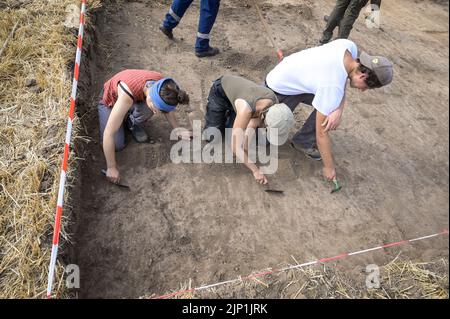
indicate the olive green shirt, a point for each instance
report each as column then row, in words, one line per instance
column 236, row 87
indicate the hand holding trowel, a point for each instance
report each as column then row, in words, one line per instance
column 118, row 184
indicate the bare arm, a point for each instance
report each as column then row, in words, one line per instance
column 324, row 145
column 251, row 130
column 243, row 117
column 120, row 109
column 333, row 120
column 171, row 118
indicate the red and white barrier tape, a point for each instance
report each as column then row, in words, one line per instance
column 62, row 180
column 58, row 215
column 319, row 261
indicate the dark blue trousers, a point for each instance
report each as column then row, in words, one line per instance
column 306, row 136
column 208, row 14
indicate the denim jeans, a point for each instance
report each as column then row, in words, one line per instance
column 137, row 115
column 208, row 13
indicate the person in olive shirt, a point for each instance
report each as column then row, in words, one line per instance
column 242, row 104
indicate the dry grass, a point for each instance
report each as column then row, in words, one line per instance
column 32, row 130
column 406, row 280
column 400, row 279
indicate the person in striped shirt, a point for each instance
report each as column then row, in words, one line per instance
column 129, row 99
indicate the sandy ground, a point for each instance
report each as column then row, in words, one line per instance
column 210, row 223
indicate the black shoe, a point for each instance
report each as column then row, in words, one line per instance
column 312, row 152
column 324, row 41
column 138, row 132
column 168, row 33
column 210, row 52
column 326, row 18
column 326, row 37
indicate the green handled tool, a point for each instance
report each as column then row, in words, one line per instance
column 336, row 186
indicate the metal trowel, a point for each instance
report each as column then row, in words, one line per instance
column 117, row 184
column 274, row 191
column 271, row 190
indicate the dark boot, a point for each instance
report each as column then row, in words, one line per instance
column 138, row 132
column 312, row 152
column 209, row 52
column 167, row 32
column 326, row 37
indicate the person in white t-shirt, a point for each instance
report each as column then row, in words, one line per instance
column 318, row 77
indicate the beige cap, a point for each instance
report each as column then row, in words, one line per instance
column 382, row 67
column 279, row 120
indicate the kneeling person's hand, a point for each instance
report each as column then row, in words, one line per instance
column 260, row 178
column 113, row 175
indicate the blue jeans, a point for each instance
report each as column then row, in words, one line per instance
column 138, row 114
column 208, row 13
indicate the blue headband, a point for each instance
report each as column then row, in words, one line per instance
column 157, row 100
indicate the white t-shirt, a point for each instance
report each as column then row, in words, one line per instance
column 319, row 71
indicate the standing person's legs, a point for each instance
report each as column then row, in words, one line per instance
column 290, row 100
column 350, row 16
column 208, row 13
column 306, row 136
column 173, row 17
column 103, row 116
column 334, row 19
column 305, row 139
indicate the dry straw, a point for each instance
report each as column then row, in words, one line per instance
column 399, row 279
column 35, row 84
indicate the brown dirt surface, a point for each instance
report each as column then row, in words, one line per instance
column 210, row 223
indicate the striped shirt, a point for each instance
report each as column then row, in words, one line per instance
column 134, row 79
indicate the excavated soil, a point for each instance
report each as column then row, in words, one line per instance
column 212, row 222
